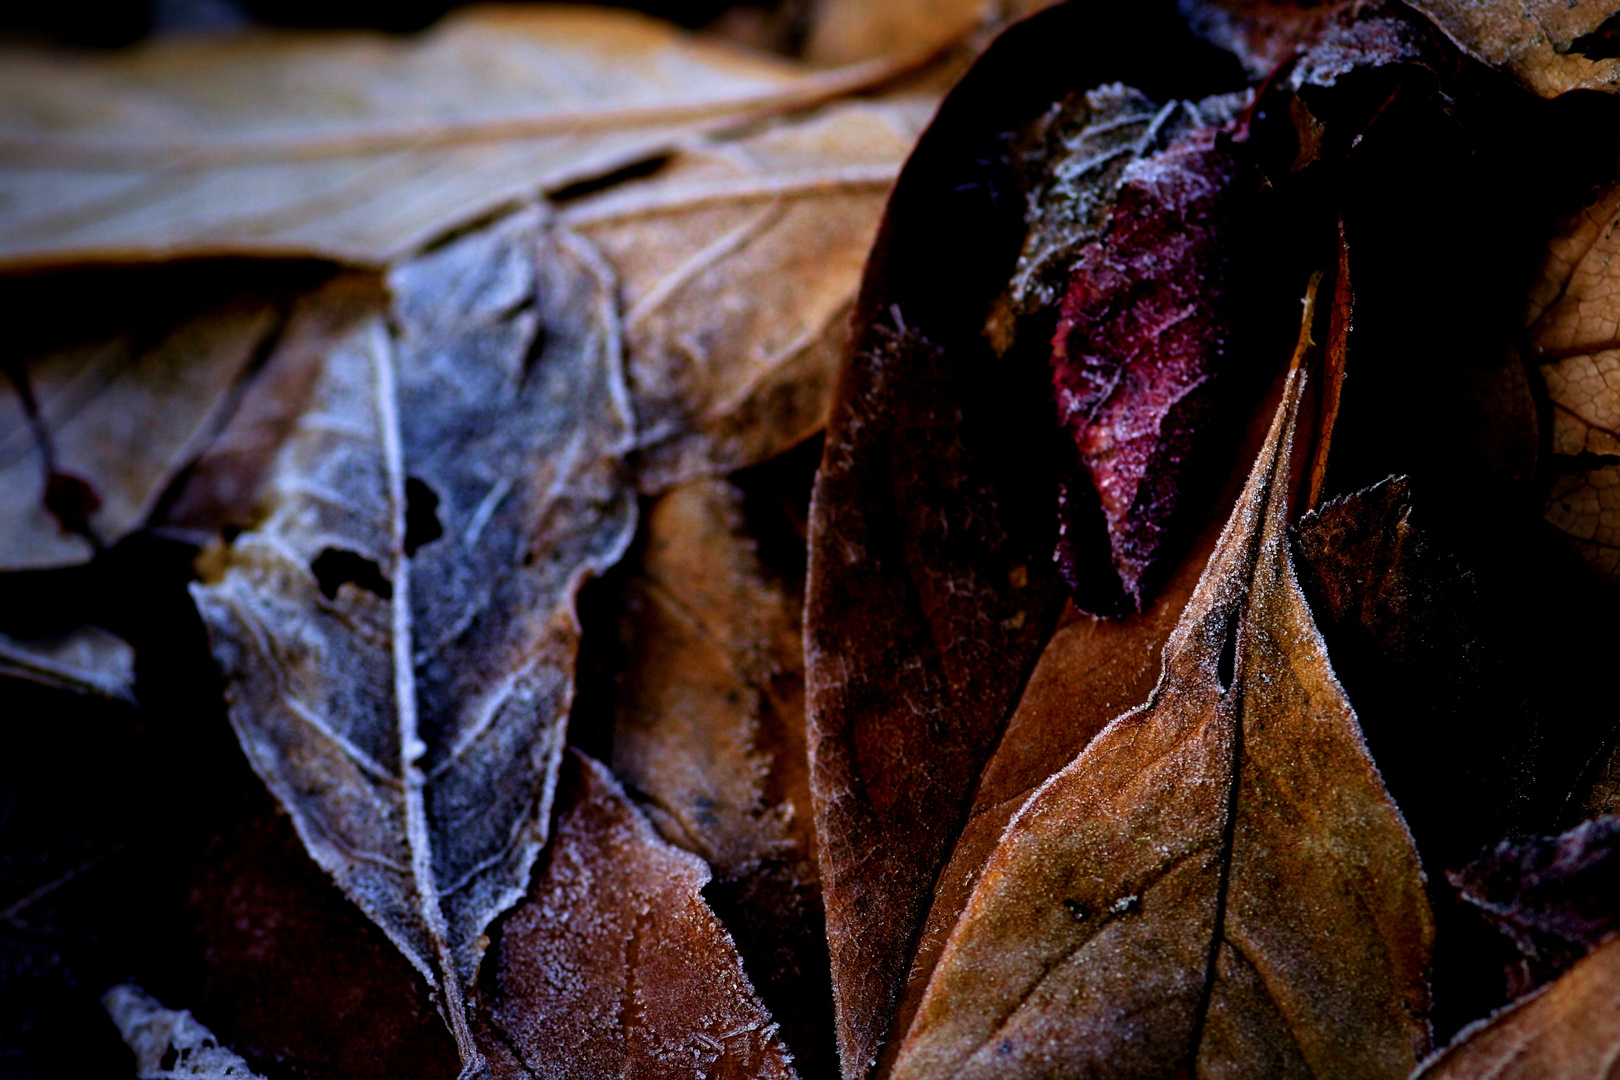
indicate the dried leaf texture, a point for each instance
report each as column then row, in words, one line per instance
column 355, row 147
column 170, row 1045
column 709, row 738
column 1219, row 884
column 1549, row 46
column 1574, row 331
column 1553, row 896
column 123, row 415
column 1569, row 1030
column 614, row 965
column 398, row 635
column 1140, row 337
column 738, row 265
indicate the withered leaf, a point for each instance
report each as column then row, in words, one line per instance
column 170, row 1045
column 1219, row 884
column 843, row 31
column 931, row 589
column 1142, row 335
column 1550, row 46
column 738, row 265
column 122, row 415
column 1568, row 1030
column 88, row 660
column 1555, row 896
column 398, row 635
column 354, row 146
column 614, row 965
column 708, row 737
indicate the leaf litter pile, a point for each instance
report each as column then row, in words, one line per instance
column 992, row 540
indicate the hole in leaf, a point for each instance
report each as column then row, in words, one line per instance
column 422, row 525
column 171, row 1057
column 1602, row 43
column 1226, row 668
column 71, row 501
column 334, row 566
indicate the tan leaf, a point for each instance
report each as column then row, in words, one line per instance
column 124, row 415
column 709, row 736
column 614, row 965
column 353, row 146
column 846, row 31
column 170, row 1045
column 399, row 635
column 1574, row 332
column 1549, row 46
column 738, row 265
column 1219, row 884
column 1568, row 1030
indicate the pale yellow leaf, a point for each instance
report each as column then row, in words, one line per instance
column 353, row 146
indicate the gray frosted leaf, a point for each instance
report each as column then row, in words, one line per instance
column 399, row 633
column 170, row 1044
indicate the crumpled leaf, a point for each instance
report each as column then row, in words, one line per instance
column 709, row 739
column 1219, row 884
column 1549, row 46
column 122, row 415
column 1554, row 896
column 170, row 1045
column 931, row 589
column 614, row 965
column 738, row 265
column 1568, row 1030
column 88, row 660
column 398, row 635
column 355, row 146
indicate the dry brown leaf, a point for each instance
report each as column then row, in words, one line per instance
column 170, row 1045
column 1568, row 1030
column 123, row 415
column 847, row 31
column 1549, row 46
column 1574, row 332
column 353, row 146
column 709, row 738
column 399, row 633
column 738, row 265
column 1219, row 884
column 614, row 965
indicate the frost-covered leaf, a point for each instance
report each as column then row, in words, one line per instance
column 738, row 265
column 88, row 660
column 614, row 965
column 1219, row 884
column 709, row 739
column 398, row 635
column 121, row 416
column 170, row 1044
column 1568, row 1030
column 354, row 146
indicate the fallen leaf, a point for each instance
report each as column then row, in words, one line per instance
column 738, row 265
column 1219, row 884
column 1553, row 896
column 170, row 1045
column 846, row 31
column 931, row 589
column 1141, row 341
column 709, row 739
column 398, row 636
column 123, row 415
column 88, row 660
column 614, row 965
column 1568, row 1030
column 1549, row 46
column 355, row 147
